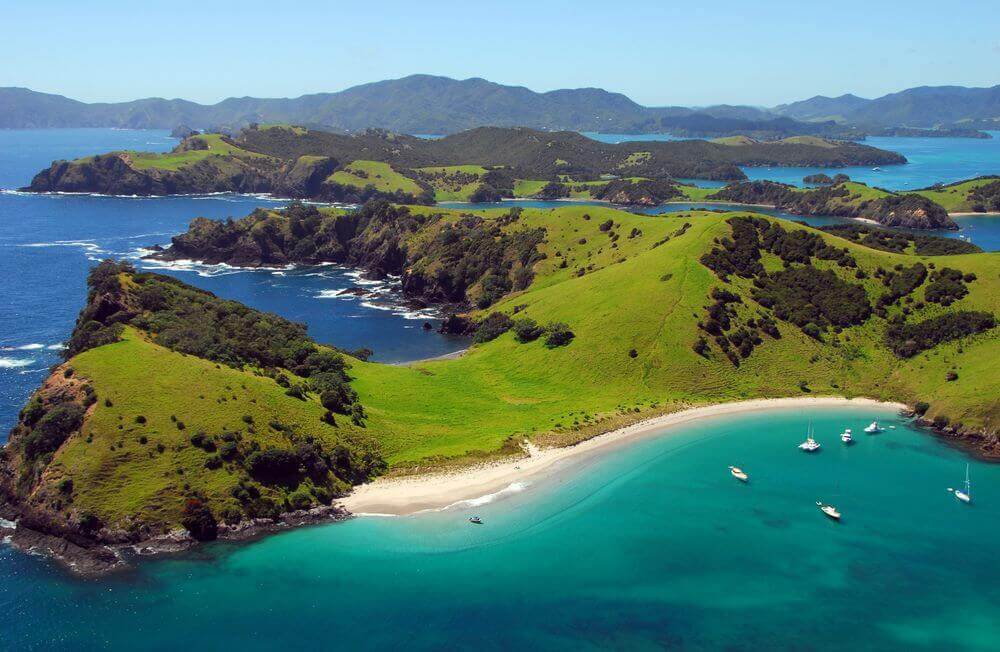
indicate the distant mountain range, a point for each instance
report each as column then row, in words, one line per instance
column 425, row 104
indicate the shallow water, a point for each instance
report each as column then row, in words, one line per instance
column 648, row 545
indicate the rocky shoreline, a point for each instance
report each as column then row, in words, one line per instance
column 101, row 558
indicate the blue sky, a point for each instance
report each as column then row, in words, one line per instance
column 658, row 53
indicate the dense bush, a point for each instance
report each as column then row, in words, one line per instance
column 806, row 295
column 275, row 466
column 199, row 521
column 527, row 330
column 52, row 429
column 907, row 340
column 558, row 334
column 947, row 286
column 493, row 326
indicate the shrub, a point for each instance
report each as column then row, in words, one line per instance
column 921, row 408
column 53, row 429
column 213, row 462
column 274, row 466
column 633, row 353
column 527, row 330
column 300, row 500
column 950, row 376
column 66, row 486
column 493, row 326
column 606, row 225
column 140, row 419
column 559, row 334
column 199, row 521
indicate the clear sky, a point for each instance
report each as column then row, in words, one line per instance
column 657, row 52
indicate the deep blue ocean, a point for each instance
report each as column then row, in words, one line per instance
column 649, row 546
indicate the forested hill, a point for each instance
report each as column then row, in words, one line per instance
column 426, row 104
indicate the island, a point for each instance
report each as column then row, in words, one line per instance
column 486, row 162
column 178, row 416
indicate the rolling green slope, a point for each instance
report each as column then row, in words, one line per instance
column 650, row 299
column 180, row 403
column 975, row 195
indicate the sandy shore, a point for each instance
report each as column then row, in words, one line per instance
column 408, row 495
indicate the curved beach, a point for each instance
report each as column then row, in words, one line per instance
column 401, row 496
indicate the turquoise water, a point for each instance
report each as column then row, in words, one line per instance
column 646, row 546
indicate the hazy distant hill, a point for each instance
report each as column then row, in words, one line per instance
column 926, row 106
column 439, row 105
column 821, row 107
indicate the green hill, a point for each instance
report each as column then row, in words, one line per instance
column 583, row 319
column 980, row 195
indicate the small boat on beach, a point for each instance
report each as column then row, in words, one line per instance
column 873, row 428
column 810, row 445
column 829, row 510
column 475, row 520
column 739, row 474
column 966, row 495
column 847, row 437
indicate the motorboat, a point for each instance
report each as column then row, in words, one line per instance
column 475, row 520
column 739, row 474
column 847, row 437
column 873, row 428
column 829, row 510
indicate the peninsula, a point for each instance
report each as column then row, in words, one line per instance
column 179, row 416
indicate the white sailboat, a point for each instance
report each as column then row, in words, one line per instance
column 873, row 428
column 739, row 474
column 964, row 496
column 847, row 437
column 810, row 445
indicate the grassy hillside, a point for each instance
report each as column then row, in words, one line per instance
column 361, row 174
column 631, row 315
column 975, row 195
column 650, row 299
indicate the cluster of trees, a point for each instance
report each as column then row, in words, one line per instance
column 813, row 299
column 907, row 340
column 643, row 191
column 907, row 210
column 947, row 286
column 899, row 241
column 525, row 330
column 900, row 282
column 825, row 179
column 986, row 198
column 741, row 253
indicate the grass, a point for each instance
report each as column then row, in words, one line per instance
column 173, row 161
column 143, row 379
column 650, row 299
column 448, row 185
column 382, row 176
column 955, row 197
column 734, row 140
column 644, row 290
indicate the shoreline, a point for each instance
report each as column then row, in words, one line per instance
column 405, row 496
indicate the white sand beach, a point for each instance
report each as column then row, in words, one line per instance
column 410, row 494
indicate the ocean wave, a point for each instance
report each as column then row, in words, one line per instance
column 23, row 347
column 86, row 245
column 512, row 488
column 15, row 363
